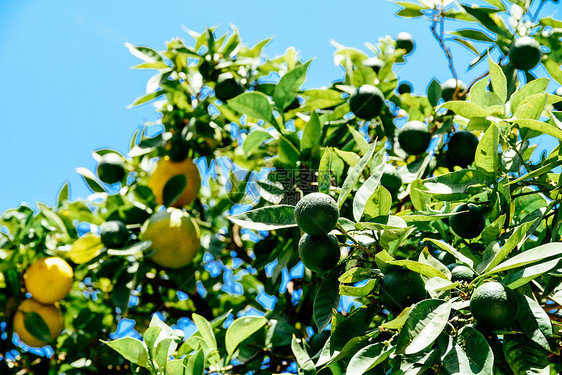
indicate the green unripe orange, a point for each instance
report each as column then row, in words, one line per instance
column 401, row 288
column 111, row 168
column 449, row 87
column 525, row 53
column 461, row 148
column 114, row 234
column 317, row 214
column 227, row 87
column 404, row 88
column 460, row 272
column 494, row 305
column 319, row 253
column 391, row 179
column 405, row 41
column 414, row 137
column 367, row 102
column 374, row 63
column 469, row 223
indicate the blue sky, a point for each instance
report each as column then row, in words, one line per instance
column 66, row 78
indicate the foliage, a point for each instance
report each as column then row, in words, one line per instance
column 244, row 298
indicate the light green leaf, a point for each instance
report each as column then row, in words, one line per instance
column 369, row 187
column 553, row 249
column 536, row 86
column 532, row 107
column 288, row 86
column 465, row 109
column 254, row 104
column 324, row 175
column 359, row 139
column 421, row 268
column 368, row 357
column 354, row 175
column 306, row 365
column 499, row 82
column 486, row 156
column 379, row 203
column 241, row 329
column 451, row 250
column 205, row 330
column 131, row 349
column 254, row 140
column 312, row 133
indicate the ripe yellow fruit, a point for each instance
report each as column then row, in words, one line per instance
column 48, row 279
column 165, row 169
column 174, row 235
column 50, row 314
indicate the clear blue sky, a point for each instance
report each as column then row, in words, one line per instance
column 66, row 80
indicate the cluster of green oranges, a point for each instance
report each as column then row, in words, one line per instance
column 317, row 214
column 47, row 280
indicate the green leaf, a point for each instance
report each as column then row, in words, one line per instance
column 486, row 17
column 241, row 329
column 145, row 53
column 266, row 218
column 536, row 86
column 164, row 350
column 288, row 153
column 63, row 194
column 399, row 321
column 174, row 189
column 516, row 240
column 91, row 180
column 532, row 107
column 434, row 92
column 354, row 175
column 359, row 139
column 553, row 249
column 451, row 250
column 379, row 203
column 369, row 187
column 478, row 93
column 472, row 34
column 327, row 297
column 131, row 349
column 196, row 363
column 455, row 185
column 553, row 68
column 205, row 330
column 150, row 336
column 524, row 356
column 358, row 291
column 535, row 322
column 312, row 133
column 254, row 140
column 425, row 323
column 306, row 365
column 421, row 268
column 499, row 82
column 409, row 13
column 470, row 354
column 254, row 104
column 35, row 325
column 465, row 109
column 486, row 156
column 288, row 86
column 324, row 176
column 146, row 98
column 368, row 357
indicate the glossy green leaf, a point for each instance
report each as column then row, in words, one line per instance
column 486, row 156
column 196, row 363
column 469, row 354
column 535, row 322
column 254, row 140
column 306, row 365
column 379, row 203
column 369, row 188
column 465, row 109
column 531, row 88
column 312, row 133
column 288, row 86
column 35, row 325
column 174, row 189
column 131, row 349
column 241, row 329
column 426, row 321
column 91, row 180
column 498, row 80
column 368, row 357
column 327, row 297
column 205, row 330
column 266, row 218
column 354, row 175
column 536, row 254
column 254, row 104
column 324, row 168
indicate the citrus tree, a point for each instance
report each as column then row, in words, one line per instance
column 258, row 228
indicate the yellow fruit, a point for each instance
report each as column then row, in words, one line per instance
column 48, row 279
column 50, row 314
column 174, row 236
column 165, row 169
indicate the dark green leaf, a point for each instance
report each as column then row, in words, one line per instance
column 254, row 140
column 35, row 325
column 288, row 86
column 91, row 180
column 312, row 133
column 174, row 189
column 470, row 354
column 535, row 322
column 327, row 297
